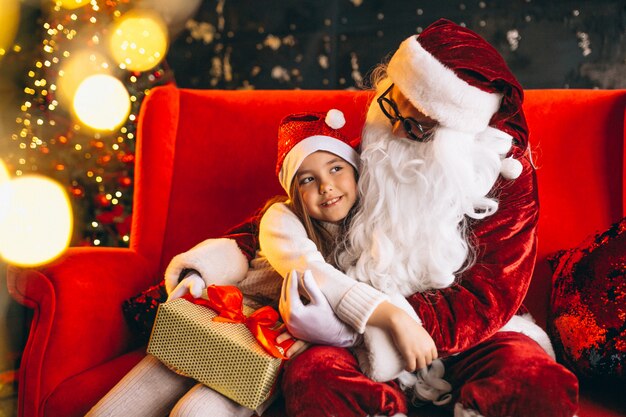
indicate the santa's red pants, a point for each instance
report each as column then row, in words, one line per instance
column 507, row 375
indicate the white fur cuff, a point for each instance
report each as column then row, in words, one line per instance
column 525, row 324
column 378, row 357
column 219, row 261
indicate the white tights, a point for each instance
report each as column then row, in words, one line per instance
column 151, row 389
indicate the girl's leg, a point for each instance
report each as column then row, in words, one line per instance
column 202, row 401
column 510, row 375
column 327, row 381
column 149, row 389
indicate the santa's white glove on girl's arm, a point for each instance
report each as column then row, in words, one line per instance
column 192, row 284
column 315, row 322
column 218, row 261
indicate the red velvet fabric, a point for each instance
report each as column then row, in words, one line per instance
column 326, row 381
column 205, row 161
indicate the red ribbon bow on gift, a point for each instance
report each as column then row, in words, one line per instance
column 227, row 301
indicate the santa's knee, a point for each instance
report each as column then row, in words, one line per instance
column 518, row 379
column 315, row 366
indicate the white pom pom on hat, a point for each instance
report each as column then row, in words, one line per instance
column 335, row 119
column 511, row 168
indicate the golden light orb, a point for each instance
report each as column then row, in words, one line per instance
column 139, row 40
column 102, row 102
column 72, row 4
column 78, row 66
column 9, row 20
column 37, row 226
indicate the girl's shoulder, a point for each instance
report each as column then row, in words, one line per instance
column 279, row 207
column 278, row 213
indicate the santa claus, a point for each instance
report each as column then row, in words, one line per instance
column 447, row 223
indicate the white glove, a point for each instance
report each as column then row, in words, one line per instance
column 315, row 322
column 192, row 284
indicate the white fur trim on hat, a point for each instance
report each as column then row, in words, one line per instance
column 219, row 261
column 438, row 92
column 306, row 147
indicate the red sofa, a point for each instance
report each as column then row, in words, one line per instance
column 205, row 160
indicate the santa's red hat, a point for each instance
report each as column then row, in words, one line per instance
column 301, row 134
column 454, row 76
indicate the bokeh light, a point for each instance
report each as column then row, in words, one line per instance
column 37, row 226
column 102, row 102
column 4, row 172
column 4, row 177
column 139, row 40
column 9, row 20
column 78, row 66
column 72, row 4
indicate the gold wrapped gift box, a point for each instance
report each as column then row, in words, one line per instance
column 223, row 356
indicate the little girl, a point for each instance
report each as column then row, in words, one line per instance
column 317, row 167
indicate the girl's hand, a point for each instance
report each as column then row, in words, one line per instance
column 413, row 342
column 298, row 347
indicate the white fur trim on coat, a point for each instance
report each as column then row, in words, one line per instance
column 525, row 324
column 219, row 261
column 378, row 356
column 459, row 411
column 438, row 92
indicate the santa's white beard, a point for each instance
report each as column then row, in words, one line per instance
column 409, row 232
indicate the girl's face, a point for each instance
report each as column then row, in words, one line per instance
column 327, row 186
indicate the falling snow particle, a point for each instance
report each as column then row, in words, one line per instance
column 289, row 40
column 356, row 74
column 323, row 61
column 513, row 37
column 584, row 42
column 201, row 31
column 273, row 42
column 281, row 74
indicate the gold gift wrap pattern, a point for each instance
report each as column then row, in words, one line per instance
column 223, row 356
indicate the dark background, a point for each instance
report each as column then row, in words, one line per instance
column 332, row 44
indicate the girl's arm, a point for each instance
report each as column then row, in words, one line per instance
column 286, row 246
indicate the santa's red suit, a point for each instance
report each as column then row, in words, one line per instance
column 492, row 359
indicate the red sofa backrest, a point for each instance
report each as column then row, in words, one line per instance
column 577, row 138
column 206, row 160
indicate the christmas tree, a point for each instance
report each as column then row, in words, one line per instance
column 72, row 127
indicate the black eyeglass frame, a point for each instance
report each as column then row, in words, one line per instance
column 408, row 123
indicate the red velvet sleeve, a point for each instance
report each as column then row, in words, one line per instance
column 246, row 234
column 488, row 294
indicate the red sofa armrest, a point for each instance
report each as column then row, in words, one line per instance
column 77, row 318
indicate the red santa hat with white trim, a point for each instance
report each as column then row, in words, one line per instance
column 454, row 76
column 301, row 134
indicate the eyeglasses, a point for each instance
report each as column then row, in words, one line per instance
column 411, row 126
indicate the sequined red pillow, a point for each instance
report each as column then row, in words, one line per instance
column 140, row 310
column 588, row 305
